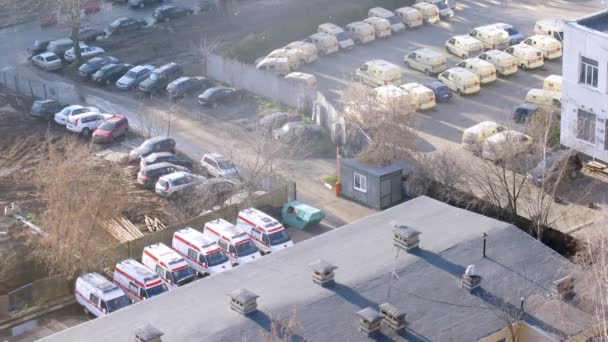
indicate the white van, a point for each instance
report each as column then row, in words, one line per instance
column 528, row 57
column 138, row 281
column 422, row 97
column 344, row 40
column 202, row 253
column 464, row 46
column 98, row 295
column 268, row 234
column 389, row 96
column 445, row 12
column 396, row 24
column 168, row 264
column 410, row 16
column 279, row 65
column 460, row 80
column 506, row 144
column 361, row 32
column 481, row 68
column 60, row 46
column 426, row 60
column 548, row 99
column 302, row 78
column 236, row 243
column 553, row 83
column 474, row 137
column 504, row 63
column 382, row 27
column 307, row 52
column 292, row 56
column 550, row 27
column 377, row 73
column 430, row 12
column 326, row 43
column 492, row 37
column 550, row 47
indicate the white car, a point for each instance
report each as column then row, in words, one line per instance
column 86, row 52
column 169, row 185
column 86, row 123
column 61, row 118
column 47, row 61
column 218, row 166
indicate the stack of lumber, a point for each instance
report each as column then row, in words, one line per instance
column 123, row 230
column 597, row 168
column 153, row 224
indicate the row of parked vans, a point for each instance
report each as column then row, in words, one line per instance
column 218, row 248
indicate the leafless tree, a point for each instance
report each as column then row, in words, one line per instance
column 205, row 48
column 444, row 170
column 282, row 330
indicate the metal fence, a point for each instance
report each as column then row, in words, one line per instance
column 37, row 293
column 14, row 84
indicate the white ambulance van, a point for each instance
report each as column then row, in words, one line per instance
column 550, row 27
column 168, row 264
column 491, row 36
column 460, row 80
column 382, row 27
column 326, row 43
column 236, row 243
column 527, row 56
column 550, row 47
column 422, row 97
column 98, row 295
column 361, row 32
column 396, row 24
column 377, row 73
column 504, row 63
column 138, row 281
column 553, row 83
column 411, row 17
column 430, row 12
column 485, row 70
column 267, row 233
column 201, row 252
column 464, row 46
column 344, row 41
column 307, row 52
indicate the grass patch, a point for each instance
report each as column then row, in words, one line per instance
column 331, row 180
column 267, row 106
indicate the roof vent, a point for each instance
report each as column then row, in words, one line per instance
column 148, row 334
column 406, row 238
column 369, row 321
column 470, row 279
column 564, row 288
column 243, row 301
column 392, row 317
column 323, row 272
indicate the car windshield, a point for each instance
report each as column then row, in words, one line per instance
column 442, row 90
column 441, row 5
column 51, row 58
column 37, row 106
column 245, row 248
column 182, row 276
column 156, row 290
column 163, row 183
column 342, row 36
column 115, row 23
column 117, row 303
column 279, row 237
column 393, row 20
column 131, row 74
column 154, row 76
column 225, row 164
column 108, row 126
column 512, row 31
column 216, row 258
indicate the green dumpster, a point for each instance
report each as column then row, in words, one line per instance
column 299, row 215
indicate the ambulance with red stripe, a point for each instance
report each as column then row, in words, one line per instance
column 98, row 295
column 267, row 233
column 201, row 252
column 168, row 264
column 138, row 281
column 237, row 244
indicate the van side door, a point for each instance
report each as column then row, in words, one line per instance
column 134, row 290
column 95, row 301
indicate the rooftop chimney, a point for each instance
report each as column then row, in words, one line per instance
column 370, row 321
column 323, row 272
column 564, row 288
column 148, row 334
column 470, row 279
column 392, row 317
column 243, row 301
column 406, row 238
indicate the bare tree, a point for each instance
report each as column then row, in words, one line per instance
column 282, row 330
column 444, row 171
column 205, row 48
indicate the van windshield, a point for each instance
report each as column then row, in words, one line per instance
column 394, row 20
column 246, row 248
column 279, row 237
column 117, row 303
column 441, row 5
column 183, row 276
column 155, row 291
column 214, row 259
column 342, row 36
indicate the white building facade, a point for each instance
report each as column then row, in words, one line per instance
column 584, row 121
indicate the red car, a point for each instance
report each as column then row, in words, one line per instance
column 48, row 20
column 111, row 129
column 92, row 7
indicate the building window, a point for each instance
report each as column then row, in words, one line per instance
column 360, row 182
column 585, row 126
column 588, row 72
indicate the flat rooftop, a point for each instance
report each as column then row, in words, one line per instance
column 597, row 21
column 428, row 288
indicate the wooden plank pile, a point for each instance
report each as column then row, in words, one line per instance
column 153, row 224
column 123, row 230
column 597, row 168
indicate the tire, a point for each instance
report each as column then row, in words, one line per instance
column 523, row 67
column 464, row 56
column 86, row 311
column 407, row 64
column 108, row 82
column 458, row 92
column 86, row 132
column 447, row 48
column 427, row 72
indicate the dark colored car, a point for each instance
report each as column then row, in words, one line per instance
column 442, row 92
column 168, row 12
column 187, row 85
column 524, row 112
column 165, row 157
column 557, row 166
column 88, row 35
column 152, row 145
column 149, row 175
column 161, row 77
column 114, row 127
column 109, row 74
column 46, row 109
column 141, row 3
column 94, row 64
column 38, row 47
column 126, row 24
column 213, row 97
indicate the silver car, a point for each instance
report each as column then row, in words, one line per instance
column 47, row 61
column 169, row 185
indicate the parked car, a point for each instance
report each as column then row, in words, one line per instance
column 45, row 109
column 141, row 3
column 160, row 78
column 505, row 145
column 62, row 117
column 38, row 47
column 187, row 85
column 152, row 145
column 168, row 12
column 296, row 131
column 88, row 35
column 114, row 127
column 276, row 120
column 219, row 188
column 165, row 157
column 47, row 61
column 173, row 183
column 149, row 175
column 126, row 24
column 59, row 46
column 86, row 52
column 92, row 7
column 218, row 166
column 110, row 73
column 515, row 37
column 134, row 76
column 86, row 123
column 94, row 64
column 216, row 96
column 524, row 112
column 442, row 92
column 556, row 166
